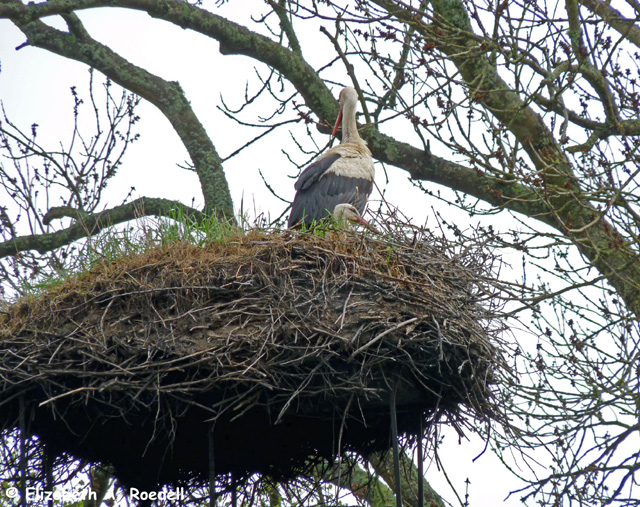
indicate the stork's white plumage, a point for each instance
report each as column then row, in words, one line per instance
column 342, row 175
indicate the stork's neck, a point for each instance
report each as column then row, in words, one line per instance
column 349, row 125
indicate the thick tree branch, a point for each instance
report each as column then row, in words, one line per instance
column 237, row 39
column 363, row 486
column 91, row 224
column 593, row 75
column 382, row 463
column 167, row 96
column 424, row 166
column 63, row 212
column 612, row 17
column 233, row 38
column 567, row 206
column 282, row 12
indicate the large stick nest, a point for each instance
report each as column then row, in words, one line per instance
column 286, row 344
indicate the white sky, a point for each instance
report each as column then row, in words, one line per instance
column 34, row 88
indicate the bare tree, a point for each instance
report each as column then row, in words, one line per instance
column 533, row 108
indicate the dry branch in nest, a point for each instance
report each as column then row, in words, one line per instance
column 287, row 343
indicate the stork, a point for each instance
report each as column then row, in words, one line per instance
column 347, row 214
column 342, row 175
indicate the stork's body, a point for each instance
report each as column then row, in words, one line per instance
column 342, row 175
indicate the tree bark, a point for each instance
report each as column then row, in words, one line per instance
column 90, row 224
column 382, row 463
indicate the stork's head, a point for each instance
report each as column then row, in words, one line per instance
column 346, row 214
column 348, row 103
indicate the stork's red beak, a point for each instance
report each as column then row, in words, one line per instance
column 337, row 125
column 365, row 224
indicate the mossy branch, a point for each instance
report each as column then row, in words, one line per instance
column 614, row 18
column 167, row 96
column 91, row 224
column 382, row 463
column 567, row 208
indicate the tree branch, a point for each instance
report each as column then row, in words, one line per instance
column 285, row 23
column 625, row 27
column 167, row 96
column 567, row 207
column 382, row 463
column 424, row 166
column 233, row 38
column 351, row 476
column 91, row 224
column 593, row 75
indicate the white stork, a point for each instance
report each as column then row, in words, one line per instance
column 342, row 175
column 345, row 214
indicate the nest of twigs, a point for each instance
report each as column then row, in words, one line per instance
column 284, row 345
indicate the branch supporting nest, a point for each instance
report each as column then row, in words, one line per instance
column 284, row 343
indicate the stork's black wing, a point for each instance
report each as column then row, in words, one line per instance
column 315, row 201
column 314, row 171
